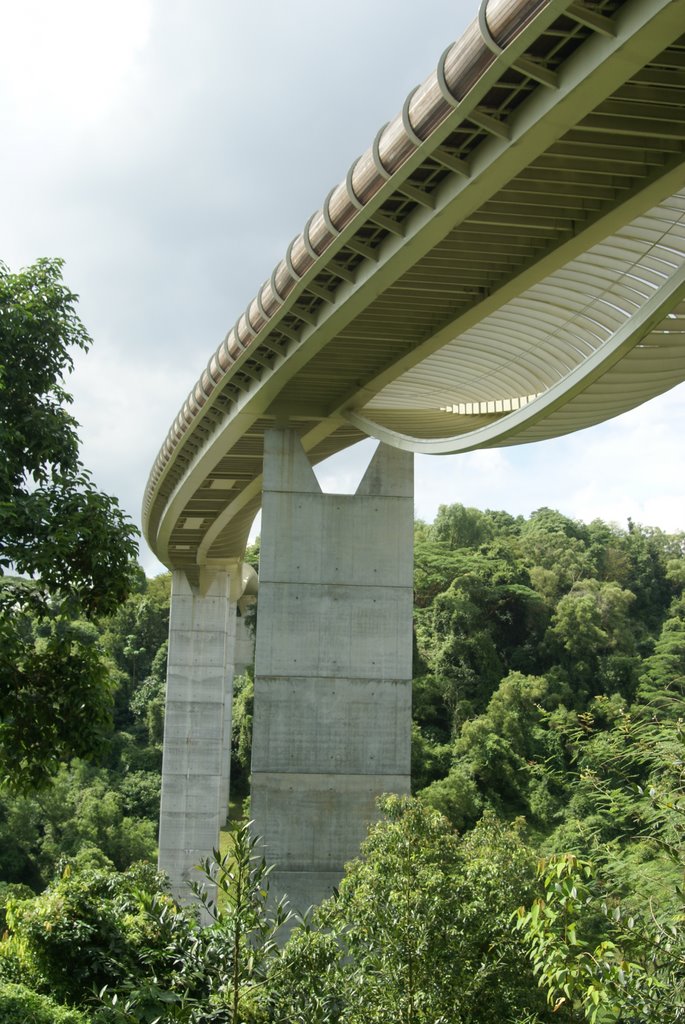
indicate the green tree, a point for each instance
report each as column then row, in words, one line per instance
column 245, row 924
column 556, row 551
column 606, row 934
column 421, row 920
column 602, row 978
column 54, row 524
column 498, row 756
column 87, row 929
column 488, row 621
column 88, row 815
column 191, row 974
column 649, row 552
column 457, row 526
column 134, row 635
column 20, row 1005
column 241, row 745
column 663, row 675
column 593, row 638
column 72, row 545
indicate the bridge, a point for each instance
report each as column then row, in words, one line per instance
column 505, row 263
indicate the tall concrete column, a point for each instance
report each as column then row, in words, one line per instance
column 332, row 709
column 197, row 727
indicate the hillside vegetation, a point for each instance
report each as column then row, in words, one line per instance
column 534, row 876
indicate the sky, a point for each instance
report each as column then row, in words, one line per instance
column 169, row 150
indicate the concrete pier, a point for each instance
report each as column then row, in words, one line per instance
column 332, row 710
column 197, row 728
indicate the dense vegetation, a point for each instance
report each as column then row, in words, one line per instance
column 66, row 549
column 534, row 876
column 549, row 676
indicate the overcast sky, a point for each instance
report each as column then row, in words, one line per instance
column 170, row 150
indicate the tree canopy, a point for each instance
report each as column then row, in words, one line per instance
column 66, row 549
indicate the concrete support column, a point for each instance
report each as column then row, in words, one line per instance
column 332, row 709
column 197, row 728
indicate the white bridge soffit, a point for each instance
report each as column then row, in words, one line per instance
column 506, row 263
column 598, row 337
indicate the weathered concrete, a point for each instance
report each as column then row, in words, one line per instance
column 197, row 726
column 332, row 711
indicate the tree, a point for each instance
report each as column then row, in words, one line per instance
column 470, row 632
column 71, row 546
column 606, row 934
column 460, row 527
column 594, row 636
column 245, row 925
column 600, row 978
column 664, row 671
column 87, row 929
column 191, row 974
column 498, row 757
column 556, row 550
column 87, row 816
column 241, row 738
column 422, row 927
column 18, row 1003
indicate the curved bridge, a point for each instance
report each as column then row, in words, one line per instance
column 505, row 263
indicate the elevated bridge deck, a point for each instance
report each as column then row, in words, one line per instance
column 505, row 263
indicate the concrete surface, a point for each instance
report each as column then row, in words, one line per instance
column 197, row 728
column 332, row 712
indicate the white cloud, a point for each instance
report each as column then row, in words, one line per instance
column 66, row 62
column 119, row 408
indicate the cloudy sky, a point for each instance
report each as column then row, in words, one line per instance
column 169, row 150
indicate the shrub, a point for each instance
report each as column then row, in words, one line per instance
column 19, row 1005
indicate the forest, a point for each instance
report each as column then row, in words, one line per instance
column 535, row 874
column 547, row 776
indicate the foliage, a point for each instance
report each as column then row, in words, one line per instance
column 485, row 621
column 497, row 756
column 593, row 633
column 246, row 923
column 54, row 524
column 419, row 931
column 241, row 737
column 84, row 930
column 307, row 983
column 11, row 891
column 134, row 636
column 663, row 672
column 72, row 545
column 607, row 937
column 87, row 817
column 628, row 802
column 211, row 973
column 20, row 1005
column 56, row 694
column 598, row 979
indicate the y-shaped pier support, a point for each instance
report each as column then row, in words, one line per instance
column 332, row 709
